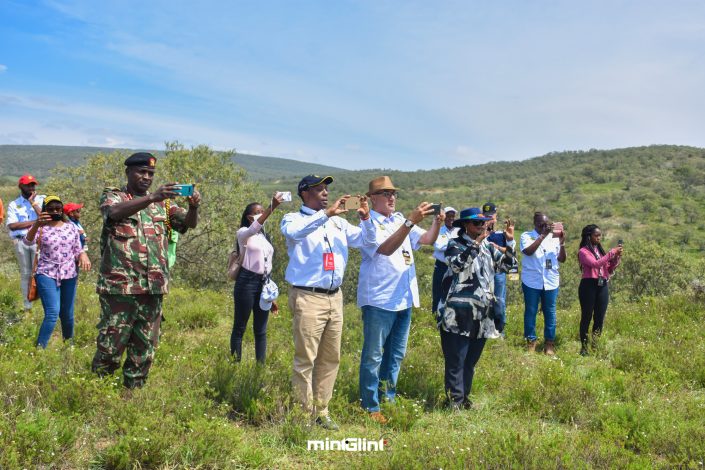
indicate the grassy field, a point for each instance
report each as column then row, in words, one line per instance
column 638, row 402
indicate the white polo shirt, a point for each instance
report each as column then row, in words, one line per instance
column 310, row 234
column 389, row 282
column 533, row 268
column 441, row 243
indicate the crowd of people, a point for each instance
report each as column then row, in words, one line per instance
column 473, row 254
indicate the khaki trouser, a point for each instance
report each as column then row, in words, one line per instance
column 318, row 329
column 25, row 258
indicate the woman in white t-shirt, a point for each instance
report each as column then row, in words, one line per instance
column 256, row 265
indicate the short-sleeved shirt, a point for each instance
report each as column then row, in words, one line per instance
column 445, row 234
column 389, row 282
column 21, row 210
column 58, row 251
column 134, row 249
column 535, row 272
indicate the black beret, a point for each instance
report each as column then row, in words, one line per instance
column 141, row 159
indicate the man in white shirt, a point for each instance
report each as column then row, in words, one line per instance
column 439, row 248
column 543, row 250
column 387, row 289
column 21, row 214
column 317, row 243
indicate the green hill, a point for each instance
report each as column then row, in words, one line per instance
column 39, row 160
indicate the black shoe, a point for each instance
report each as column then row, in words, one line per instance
column 326, row 422
column 455, row 405
column 467, row 404
column 584, row 350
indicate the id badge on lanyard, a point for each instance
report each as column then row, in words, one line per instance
column 328, row 262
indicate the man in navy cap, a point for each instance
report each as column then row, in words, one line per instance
column 134, row 273
column 317, row 242
column 501, row 239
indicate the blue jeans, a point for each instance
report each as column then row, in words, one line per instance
column 384, row 345
column 58, row 303
column 531, row 308
column 500, row 292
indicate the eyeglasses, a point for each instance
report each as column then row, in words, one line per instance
column 387, row 194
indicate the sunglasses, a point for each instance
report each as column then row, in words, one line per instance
column 477, row 223
column 387, row 194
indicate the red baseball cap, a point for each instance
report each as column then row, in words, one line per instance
column 71, row 206
column 27, row 179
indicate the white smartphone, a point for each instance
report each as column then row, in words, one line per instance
column 286, row 196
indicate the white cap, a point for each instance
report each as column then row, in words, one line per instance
column 270, row 292
column 450, row 209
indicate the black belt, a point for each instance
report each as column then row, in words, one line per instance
column 319, row 290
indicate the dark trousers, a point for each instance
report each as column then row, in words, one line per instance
column 438, row 271
column 248, row 288
column 461, row 354
column 593, row 306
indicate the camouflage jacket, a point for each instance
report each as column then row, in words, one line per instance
column 134, row 249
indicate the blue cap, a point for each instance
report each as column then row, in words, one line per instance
column 470, row 213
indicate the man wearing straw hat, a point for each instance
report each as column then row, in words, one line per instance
column 387, row 290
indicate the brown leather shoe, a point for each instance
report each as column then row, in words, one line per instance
column 549, row 348
column 531, row 346
column 379, row 417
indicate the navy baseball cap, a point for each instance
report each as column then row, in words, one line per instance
column 489, row 208
column 308, row 182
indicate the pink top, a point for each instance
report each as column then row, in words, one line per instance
column 258, row 251
column 59, row 248
column 593, row 268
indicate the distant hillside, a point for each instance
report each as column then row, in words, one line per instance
column 654, row 193
column 16, row 160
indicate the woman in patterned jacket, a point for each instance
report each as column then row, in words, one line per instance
column 466, row 313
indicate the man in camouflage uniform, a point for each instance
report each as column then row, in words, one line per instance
column 134, row 274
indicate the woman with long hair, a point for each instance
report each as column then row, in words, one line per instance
column 60, row 254
column 258, row 251
column 597, row 267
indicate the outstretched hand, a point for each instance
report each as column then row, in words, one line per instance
column 338, row 207
column 421, row 211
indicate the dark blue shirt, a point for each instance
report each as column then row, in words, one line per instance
column 498, row 238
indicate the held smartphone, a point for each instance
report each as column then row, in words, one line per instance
column 352, row 203
column 56, row 217
column 286, row 196
column 620, row 242
column 436, row 208
column 557, row 228
column 184, row 189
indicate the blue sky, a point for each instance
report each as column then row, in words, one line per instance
column 355, row 84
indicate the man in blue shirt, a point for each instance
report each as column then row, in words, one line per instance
column 439, row 248
column 500, row 239
column 317, row 242
column 21, row 214
column 387, row 290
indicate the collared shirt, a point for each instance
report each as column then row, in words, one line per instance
column 534, row 270
column 21, row 210
column 499, row 238
column 310, row 235
column 389, row 282
column 441, row 243
column 134, row 249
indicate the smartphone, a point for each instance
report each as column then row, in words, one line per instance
column 184, row 189
column 436, row 208
column 56, row 216
column 352, row 203
column 286, row 196
column 620, row 242
column 557, row 228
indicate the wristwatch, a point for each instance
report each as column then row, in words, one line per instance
column 408, row 223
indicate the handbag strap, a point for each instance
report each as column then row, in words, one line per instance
column 36, row 256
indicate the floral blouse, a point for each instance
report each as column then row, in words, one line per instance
column 59, row 249
column 469, row 281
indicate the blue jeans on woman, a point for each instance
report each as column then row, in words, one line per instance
column 531, row 307
column 246, row 293
column 384, row 346
column 57, row 301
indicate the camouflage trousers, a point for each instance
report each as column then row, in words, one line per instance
column 132, row 322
